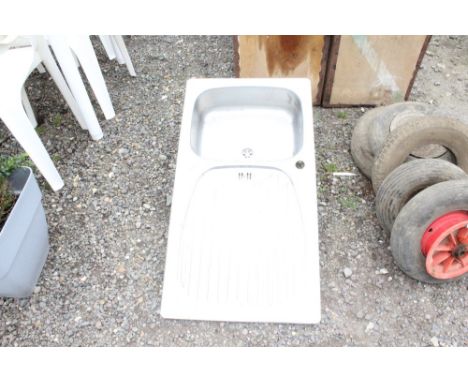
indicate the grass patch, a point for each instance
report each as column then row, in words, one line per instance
column 56, row 157
column 40, row 130
column 7, row 198
column 329, row 167
column 57, row 121
column 351, row 202
column 321, row 190
column 11, row 163
column 342, row 114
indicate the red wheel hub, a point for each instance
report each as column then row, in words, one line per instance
column 445, row 246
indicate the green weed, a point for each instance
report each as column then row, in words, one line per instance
column 329, row 167
column 57, row 121
column 342, row 114
column 351, row 202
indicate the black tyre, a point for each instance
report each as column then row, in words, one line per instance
column 373, row 128
column 387, row 117
column 424, row 152
column 406, row 181
column 360, row 149
column 418, row 132
column 414, row 219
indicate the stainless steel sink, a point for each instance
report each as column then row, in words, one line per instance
column 243, row 235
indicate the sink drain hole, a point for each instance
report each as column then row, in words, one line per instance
column 247, row 152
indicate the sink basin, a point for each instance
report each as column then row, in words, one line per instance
column 235, row 122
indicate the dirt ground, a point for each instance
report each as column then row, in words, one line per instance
column 102, row 282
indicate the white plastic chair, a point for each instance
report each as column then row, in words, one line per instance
column 63, row 48
column 27, row 107
column 84, row 51
column 108, row 46
column 15, row 67
column 115, row 49
column 17, row 64
column 83, row 55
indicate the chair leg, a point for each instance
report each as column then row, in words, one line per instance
column 77, row 62
column 108, row 47
column 40, row 68
column 27, row 108
column 123, row 49
column 82, row 47
column 118, row 53
column 73, row 78
column 18, row 123
column 54, row 71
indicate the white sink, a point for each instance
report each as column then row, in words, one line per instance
column 243, row 235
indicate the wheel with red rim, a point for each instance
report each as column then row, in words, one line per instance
column 445, row 246
column 429, row 238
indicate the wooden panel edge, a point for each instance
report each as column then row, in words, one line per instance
column 417, row 66
column 332, row 59
column 235, row 40
column 323, row 70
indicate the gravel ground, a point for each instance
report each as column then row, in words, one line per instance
column 102, row 281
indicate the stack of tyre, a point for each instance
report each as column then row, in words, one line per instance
column 417, row 160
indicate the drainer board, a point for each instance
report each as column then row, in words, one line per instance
column 243, row 236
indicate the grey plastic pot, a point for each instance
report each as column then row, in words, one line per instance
column 24, row 238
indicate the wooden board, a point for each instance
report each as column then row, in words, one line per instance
column 283, row 56
column 372, row 70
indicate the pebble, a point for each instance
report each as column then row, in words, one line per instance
column 76, row 180
column 162, row 157
column 347, row 272
column 168, row 200
column 369, row 327
column 435, row 341
column 120, row 268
